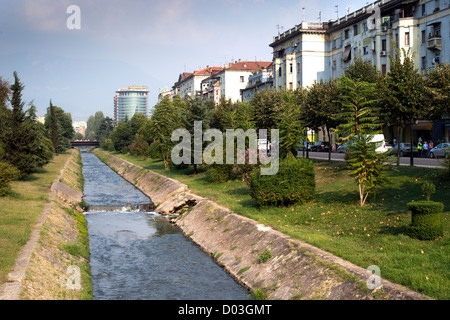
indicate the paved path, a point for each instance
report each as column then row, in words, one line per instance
column 404, row 161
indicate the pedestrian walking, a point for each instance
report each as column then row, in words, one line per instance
column 425, row 150
column 419, row 147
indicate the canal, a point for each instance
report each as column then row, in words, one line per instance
column 139, row 255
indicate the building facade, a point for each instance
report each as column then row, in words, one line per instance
column 233, row 78
column 263, row 80
column 322, row 51
column 130, row 101
column 190, row 84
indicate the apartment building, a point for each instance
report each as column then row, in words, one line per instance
column 229, row 82
column 319, row 51
column 190, row 84
column 263, row 80
column 312, row 52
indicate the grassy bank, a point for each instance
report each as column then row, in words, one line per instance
column 63, row 237
column 21, row 208
column 333, row 220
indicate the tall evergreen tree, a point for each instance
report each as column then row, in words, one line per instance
column 20, row 145
column 54, row 136
column 65, row 128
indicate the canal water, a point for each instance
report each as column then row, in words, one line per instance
column 140, row 255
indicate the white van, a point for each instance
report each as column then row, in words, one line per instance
column 380, row 145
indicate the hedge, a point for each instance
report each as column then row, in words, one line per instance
column 426, row 220
column 294, row 183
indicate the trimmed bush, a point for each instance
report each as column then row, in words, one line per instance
column 8, row 173
column 426, row 220
column 294, row 183
column 220, row 172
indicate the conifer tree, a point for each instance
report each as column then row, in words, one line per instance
column 20, row 144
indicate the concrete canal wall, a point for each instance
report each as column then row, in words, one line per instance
column 295, row 270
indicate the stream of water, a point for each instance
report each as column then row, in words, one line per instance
column 140, row 255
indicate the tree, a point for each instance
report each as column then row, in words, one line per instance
column 357, row 114
column 197, row 111
column 266, row 104
column 402, row 92
column 358, row 123
column 319, row 108
column 437, row 88
column 361, row 70
column 106, row 126
column 288, row 120
column 54, row 135
column 122, row 136
column 368, row 166
column 59, row 123
column 20, row 142
column 164, row 120
column 5, row 93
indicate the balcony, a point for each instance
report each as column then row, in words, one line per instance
column 434, row 43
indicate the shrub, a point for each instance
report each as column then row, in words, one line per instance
column 426, row 220
column 8, row 173
column 266, row 255
column 446, row 164
column 428, row 188
column 294, row 183
column 220, row 172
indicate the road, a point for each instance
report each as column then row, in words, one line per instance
column 404, row 161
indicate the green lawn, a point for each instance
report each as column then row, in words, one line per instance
column 334, row 221
column 20, row 209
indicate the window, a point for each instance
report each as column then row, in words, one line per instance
column 346, row 34
column 383, row 69
column 242, row 79
column 424, row 63
column 383, row 45
column 347, row 56
column 423, row 9
column 279, row 72
column 366, row 50
column 290, row 68
column 406, row 38
column 365, row 26
column 423, row 36
column 355, row 29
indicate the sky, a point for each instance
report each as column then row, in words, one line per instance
column 120, row 43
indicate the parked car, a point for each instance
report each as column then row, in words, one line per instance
column 441, row 150
column 305, row 146
column 321, row 146
column 342, row 148
column 380, row 144
column 405, row 149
